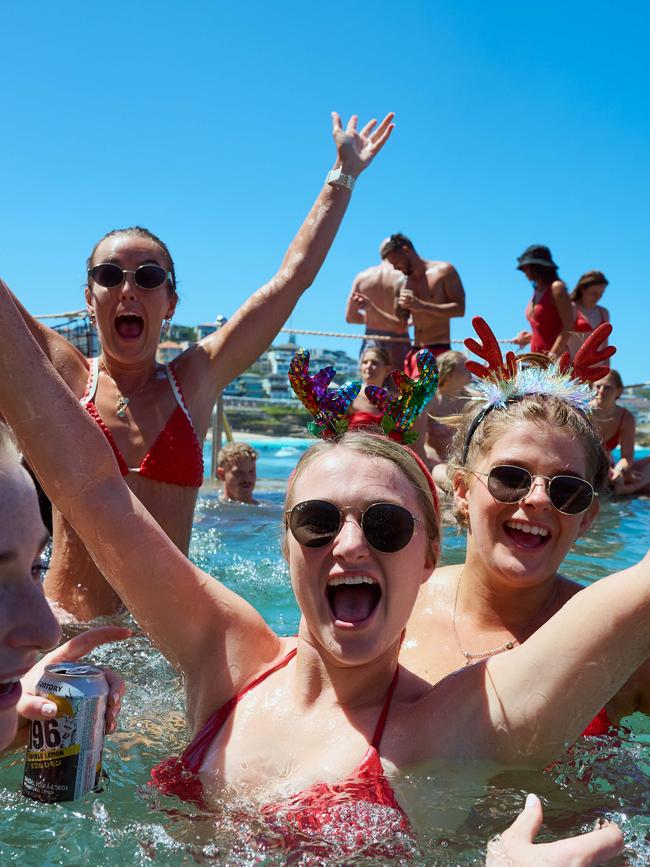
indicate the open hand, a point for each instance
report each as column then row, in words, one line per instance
column 357, row 149
column 32, row 706
column 515, row 847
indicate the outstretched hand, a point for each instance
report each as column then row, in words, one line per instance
column 32, row 706
column 515, row 847
column 356, row 149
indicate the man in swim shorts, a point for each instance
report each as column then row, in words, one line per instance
column 236, row 467
column 372, row 303
column 430, row 291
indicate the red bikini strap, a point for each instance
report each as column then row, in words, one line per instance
column 383, row 716
column 262, row 677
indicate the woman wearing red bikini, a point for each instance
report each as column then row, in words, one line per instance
column 617, row 427
column 156, row 418
column 549, row 311
column 588, row 313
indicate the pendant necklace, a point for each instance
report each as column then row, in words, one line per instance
column 122, row 402
column 507, row 645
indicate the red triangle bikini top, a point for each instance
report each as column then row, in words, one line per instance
column 176, row 457
column 310, row 810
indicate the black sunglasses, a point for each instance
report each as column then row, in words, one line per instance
column 570, row 495
column 110, row 276
column 387, row 527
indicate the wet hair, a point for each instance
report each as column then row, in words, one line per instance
column 376, row 446
column 384, row 354
column 232, row 451
column 140, row 232
column 543, row 274
column 396, row 242
column 540, row 409
column 589, row 278
column 447, row 363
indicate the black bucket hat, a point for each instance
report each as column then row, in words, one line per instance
column 536, row 254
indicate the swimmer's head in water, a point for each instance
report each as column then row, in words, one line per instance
column 376, row 446
column 140, row 232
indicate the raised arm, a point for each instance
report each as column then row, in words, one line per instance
column 542, row 694
column 66, row 358
column 188, row 614
column 225, row 354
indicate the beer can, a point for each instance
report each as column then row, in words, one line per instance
column 64, row 754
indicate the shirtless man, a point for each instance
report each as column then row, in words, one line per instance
column 372, row 303
column 432, row 293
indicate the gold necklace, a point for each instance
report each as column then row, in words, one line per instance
column 507, row 645
column 123, row 401
column 481, row 654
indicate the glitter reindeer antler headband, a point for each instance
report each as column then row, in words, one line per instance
column 330, row 408
column 502, row 381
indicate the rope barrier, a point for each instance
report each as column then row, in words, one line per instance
column 73, row 314
column 368, row 336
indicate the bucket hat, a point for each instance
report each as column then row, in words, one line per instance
column 536, row 254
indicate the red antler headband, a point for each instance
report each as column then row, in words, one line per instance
column 502, row 381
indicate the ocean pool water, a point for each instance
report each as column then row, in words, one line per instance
column 130, row 823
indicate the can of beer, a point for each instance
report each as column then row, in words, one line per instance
column 64, row 755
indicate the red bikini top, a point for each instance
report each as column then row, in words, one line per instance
column 320, row 805
column 583, row 325
column 176, row 457
column 361, row 418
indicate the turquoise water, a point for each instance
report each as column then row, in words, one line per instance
column 129, row 823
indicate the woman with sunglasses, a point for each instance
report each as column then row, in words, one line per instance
column 156, row 417
column 525, row 478
column 343, row 717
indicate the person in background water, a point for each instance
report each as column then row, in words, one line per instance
column 587, row 312
column 549, row 311
column 372, row 303
column 237, row 469
column 374, row 367
column 617, row 427
column 431, row 292
column 449, row 401
column 27, row 625
column 155, row 417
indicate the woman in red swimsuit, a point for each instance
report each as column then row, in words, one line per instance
column 549, row 311
column 510, row 585
column 303, row 726
column 374, row 367
column 156, row 417
column 588, row 314
column 617, row 427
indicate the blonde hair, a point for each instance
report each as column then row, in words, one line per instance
column 447, row 363
column 232, row 451
column 375, row 446
column 540, row 409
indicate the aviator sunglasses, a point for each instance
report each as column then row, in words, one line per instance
column 387, row 527
column 110, row 276
column 570, row 495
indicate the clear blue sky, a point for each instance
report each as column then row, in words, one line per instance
column 517, row 123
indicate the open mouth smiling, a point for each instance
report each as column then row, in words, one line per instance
column 129, row 325
column 352, row 598
column 526, row 535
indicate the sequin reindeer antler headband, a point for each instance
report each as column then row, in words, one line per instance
column 502, row 381
column 330, row 408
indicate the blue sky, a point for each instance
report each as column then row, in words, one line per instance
column 517, row 123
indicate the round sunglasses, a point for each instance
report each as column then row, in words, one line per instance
column 570, row 495
column 110, row 276
column 386, row 527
